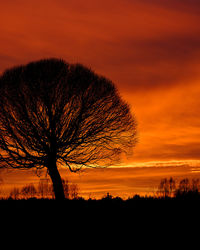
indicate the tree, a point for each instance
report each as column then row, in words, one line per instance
column 167, row 187
column 66, row 188
column 14, row 193
column 164, row 187
column 57, row 114
column 172, row 186
column 184, row 186
column 28, row 191
column 73, row 191
column 195, row 185
column 45, row 189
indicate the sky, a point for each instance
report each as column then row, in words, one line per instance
column 149, row 48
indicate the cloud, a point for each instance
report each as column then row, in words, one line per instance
column 155, row 62
column 192, row 6
column 149, row 48
column 137, row 44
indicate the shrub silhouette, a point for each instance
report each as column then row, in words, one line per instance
column 53, row 113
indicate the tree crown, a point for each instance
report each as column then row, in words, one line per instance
column 51, row 109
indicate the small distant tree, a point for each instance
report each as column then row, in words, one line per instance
column 73, row 193
column 66, row 188
column 45, row 189
column 188, row 188
column 172, row 187
column 28, row 191
column 195, row 187
column 1, row 183
column 15, row 193
column 108, row 196
column 167, row 187
column 184, row 186
column 53, row 113
column 1, row 180
column 164, row 187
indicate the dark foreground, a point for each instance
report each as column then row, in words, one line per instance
column 137, row 208
column 143, row 221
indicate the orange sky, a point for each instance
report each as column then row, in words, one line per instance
column 149, row 48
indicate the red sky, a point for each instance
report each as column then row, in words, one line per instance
column 149, row 48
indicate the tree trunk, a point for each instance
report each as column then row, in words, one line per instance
column 57, row 181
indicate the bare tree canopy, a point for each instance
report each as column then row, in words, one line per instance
column 53, row 113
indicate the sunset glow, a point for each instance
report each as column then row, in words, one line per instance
column 150, row 49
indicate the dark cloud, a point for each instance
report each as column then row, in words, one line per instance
column 191, row 6
column 137, row 44
column 155, row 62
column 189, row 150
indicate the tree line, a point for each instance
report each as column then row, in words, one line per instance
column 185, row 187
column 168, row 188
column 44, row 190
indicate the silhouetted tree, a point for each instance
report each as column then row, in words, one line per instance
column 14, row 193
column 108, row 196
column 73, row 191
column 45, row 189
column 164, row 187
column 28, row 191
column 172, row 186
column 184, row 185
column 53, row 113
column 195, row 187
column 1, row 179
column 66, row 188
column 167, row 187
